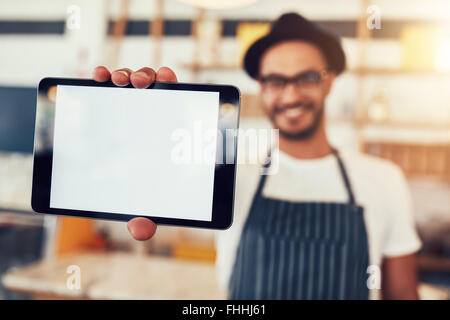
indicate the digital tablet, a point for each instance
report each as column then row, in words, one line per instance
column 167, row 152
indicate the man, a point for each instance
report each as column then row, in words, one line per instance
column 320, row 226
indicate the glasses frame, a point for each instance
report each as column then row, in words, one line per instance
column 295, row 80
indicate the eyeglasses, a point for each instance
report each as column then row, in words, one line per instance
column 308, row 80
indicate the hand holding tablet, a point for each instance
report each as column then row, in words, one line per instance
column 140, row 228
column 107, row 152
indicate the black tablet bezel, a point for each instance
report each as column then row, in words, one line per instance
column 224, row 183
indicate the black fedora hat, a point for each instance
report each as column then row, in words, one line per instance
column 292, row 26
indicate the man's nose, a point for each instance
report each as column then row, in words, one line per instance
column 291, row 93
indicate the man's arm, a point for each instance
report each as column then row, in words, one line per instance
column 399, row 278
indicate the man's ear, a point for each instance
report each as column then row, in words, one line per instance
column 259, row 85
column 329, row 80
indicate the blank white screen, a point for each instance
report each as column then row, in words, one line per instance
column 112, row 151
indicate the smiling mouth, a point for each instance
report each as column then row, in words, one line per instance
column 295, row 111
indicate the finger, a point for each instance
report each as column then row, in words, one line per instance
column 141, row 228
column 143, row 77
column 101, row 74
column 166, row 74
column 121, row 77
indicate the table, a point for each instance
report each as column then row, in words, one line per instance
column 106, row 275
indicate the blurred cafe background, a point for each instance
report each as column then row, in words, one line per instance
column 392, row 102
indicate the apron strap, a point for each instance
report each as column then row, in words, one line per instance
column 262, row 181
column 343, row 171
column 348, row 186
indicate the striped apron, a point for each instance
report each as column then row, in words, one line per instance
column 302, row 250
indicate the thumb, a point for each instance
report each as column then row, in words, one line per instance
column 141, row 228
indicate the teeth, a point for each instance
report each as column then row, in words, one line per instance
column 294, row 112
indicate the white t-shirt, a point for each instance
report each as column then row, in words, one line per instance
column 378, row 185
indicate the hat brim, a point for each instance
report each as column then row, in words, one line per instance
column 328, row 45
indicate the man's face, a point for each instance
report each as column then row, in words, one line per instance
column 295, row 107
